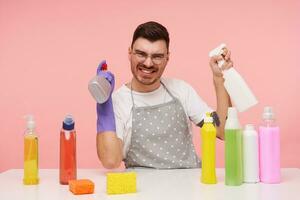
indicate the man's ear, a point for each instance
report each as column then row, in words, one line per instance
column 129, row 52
column 168, row 55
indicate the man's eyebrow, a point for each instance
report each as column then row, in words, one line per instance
column 155, row 54
column 139, row 51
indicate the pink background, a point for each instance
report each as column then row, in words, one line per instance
column 50, row 49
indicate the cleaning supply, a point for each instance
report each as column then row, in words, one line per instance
column 269, row 148
column 250, row 154
column 31, row 166
column 208, row 136
column 105, row 111
column 237, row 88
column 121, row 182
column 82, row 186
column 67, row 161
column 233, row 149
column 99, row 86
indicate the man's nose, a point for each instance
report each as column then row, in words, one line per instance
column 148, row 62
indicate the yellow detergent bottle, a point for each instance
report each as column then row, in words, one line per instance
column 208, row 136
column 30, row 153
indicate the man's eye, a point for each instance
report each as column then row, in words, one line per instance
column 141, row 54
column 158, row 57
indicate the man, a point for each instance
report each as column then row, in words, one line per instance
column 150, row 126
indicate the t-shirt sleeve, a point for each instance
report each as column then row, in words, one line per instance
column 196, row 107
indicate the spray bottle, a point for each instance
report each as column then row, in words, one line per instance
column 99, row 86
column 233, row 149
column 31, row 176
column 237, row 88
column 208, row 135
column 68, row 168
column 269, row 148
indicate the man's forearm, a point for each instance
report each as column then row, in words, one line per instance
column 223, row 102
column 109, row 149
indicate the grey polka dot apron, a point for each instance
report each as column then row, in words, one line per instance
column 160, row 137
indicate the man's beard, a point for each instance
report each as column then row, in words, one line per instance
column 145, row 81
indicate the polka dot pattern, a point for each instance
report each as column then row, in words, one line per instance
column 160, row 138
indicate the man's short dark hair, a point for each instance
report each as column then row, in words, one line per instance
column 151, row 31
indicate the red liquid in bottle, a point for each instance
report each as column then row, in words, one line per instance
column 68, row 168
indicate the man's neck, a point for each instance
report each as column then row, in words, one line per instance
column 139, row 87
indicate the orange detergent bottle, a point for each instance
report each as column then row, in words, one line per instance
column 67, row 164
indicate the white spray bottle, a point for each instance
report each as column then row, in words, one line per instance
column 237, row 88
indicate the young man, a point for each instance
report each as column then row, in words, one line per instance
column 146, row 123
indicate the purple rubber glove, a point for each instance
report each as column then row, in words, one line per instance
column 105, row 111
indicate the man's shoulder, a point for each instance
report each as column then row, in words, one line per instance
column 174, row 83
column 121, row 91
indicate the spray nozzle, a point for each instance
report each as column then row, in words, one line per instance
column 208, row 118
column 30, row 123
column 268, row 113
column 216, row 52
column 103, row 65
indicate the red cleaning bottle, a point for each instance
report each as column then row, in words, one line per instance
column 67, row 164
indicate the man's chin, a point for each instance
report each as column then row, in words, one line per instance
column 147, row 82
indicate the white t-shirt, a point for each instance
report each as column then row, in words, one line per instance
column 194, row 107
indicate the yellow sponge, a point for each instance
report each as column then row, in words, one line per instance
column 121, row 183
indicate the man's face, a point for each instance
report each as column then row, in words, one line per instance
column 148, row 60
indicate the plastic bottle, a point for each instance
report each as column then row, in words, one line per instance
column 233, row 149
column 237, row 88
column 250, row 154
column 269, row 148
column 68, row 168
column 99, row 87
column 208, row 135
column 31, row 165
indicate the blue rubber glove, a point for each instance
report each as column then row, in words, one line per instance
column 105, row 111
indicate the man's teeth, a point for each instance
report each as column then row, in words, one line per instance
column 146, row 71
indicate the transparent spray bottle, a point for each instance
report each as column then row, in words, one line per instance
column 31, row 176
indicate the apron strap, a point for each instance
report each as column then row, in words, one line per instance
column 131, row 93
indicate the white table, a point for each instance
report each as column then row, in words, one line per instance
column 183, row 184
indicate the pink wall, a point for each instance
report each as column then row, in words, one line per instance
column 50, row 49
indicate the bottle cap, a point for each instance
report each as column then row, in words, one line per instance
column 68, row 123
column 249, row 127
column 268, row 113
column 30, row 121
column 232, row 113
column 208, row 118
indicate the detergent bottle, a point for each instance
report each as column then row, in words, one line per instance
column 208, row 136
column 233, row 149
column 31, row 164
column 269, row 148
column 67, row 164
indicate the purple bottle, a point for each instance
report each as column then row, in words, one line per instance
column 269, row 148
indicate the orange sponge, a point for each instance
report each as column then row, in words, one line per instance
column 83, row 186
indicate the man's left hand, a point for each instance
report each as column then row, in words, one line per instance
column 217, row 71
